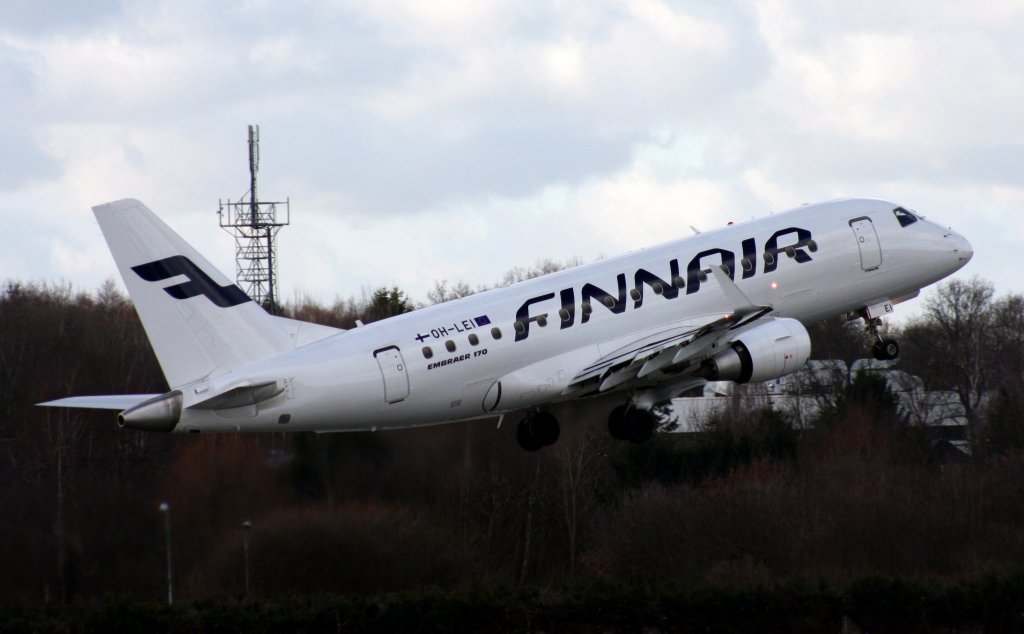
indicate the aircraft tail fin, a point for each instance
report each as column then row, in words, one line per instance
column 199, row 323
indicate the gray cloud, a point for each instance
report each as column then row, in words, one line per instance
column 438, row 118
column 23, row 158
column 33, row 17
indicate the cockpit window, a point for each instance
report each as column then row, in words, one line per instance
column 905, row 217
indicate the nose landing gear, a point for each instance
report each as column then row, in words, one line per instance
column 884, row 349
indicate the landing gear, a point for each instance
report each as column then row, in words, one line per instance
column 538, row 430
column 884, row 349
column 617, row 423
column 628, row 423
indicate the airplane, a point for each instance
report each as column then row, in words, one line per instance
column 728, row 304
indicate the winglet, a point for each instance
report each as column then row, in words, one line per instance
column 737, row 299
column 744, row 311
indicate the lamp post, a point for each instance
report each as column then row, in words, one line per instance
column 246, row 531
column 165, row 508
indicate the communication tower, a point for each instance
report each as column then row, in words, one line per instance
column 254, row 225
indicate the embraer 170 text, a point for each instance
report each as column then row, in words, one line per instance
column 725, row 305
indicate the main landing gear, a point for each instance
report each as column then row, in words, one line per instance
column 538, row 430
column 628, row 423
column 883, row 349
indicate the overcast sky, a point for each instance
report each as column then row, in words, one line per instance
column 426, row 140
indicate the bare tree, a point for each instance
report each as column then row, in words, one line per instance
column 1008, row 335
column 951, row 346
column 542, row 267
column 442, row 292
column 576, row 465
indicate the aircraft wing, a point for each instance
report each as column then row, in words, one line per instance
column 108, row 401
column 670, row 350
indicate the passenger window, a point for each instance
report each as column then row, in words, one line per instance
column 473, row 339
column 496, row 333
column 427, row 352
column 905, row 217
column 450, row 345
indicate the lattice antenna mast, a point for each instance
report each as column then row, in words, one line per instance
column 254, row 166
column 254, row 226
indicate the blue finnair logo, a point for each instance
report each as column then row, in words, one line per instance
column 199, row 282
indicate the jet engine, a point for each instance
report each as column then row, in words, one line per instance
column 157, row 414
column 773, row 349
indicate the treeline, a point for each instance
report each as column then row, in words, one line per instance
column 871, row 605
column 751, row 501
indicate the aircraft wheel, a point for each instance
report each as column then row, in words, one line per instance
column 639, row 425
column 538, row 431
column 886, row 350
column 525, row 437
column 617, row 423
column 544, row 427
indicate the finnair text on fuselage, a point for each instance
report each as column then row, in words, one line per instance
column 669, row 288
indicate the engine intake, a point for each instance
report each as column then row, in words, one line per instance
column 769, row 351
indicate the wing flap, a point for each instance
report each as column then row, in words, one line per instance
column 649, row 345
column 671, row 347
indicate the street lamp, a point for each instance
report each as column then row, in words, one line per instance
column 247, row 529
column 165, row 508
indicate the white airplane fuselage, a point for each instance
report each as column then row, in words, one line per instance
column 845, row 255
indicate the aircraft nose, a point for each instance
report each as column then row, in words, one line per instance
column 961, row 248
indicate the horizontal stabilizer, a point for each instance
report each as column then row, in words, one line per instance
column 107, row 401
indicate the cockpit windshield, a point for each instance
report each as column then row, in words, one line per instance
column 905, row 217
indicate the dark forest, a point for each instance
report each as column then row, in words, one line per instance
column 752, row 500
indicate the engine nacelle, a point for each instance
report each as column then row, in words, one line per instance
column 776, row 348
column 157, row 414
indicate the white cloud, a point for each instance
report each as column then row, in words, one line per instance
column 106, row 162
column 894, row 88
column 653, row 199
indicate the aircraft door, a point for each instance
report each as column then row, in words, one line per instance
column 392, row 368
column 867, row 242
